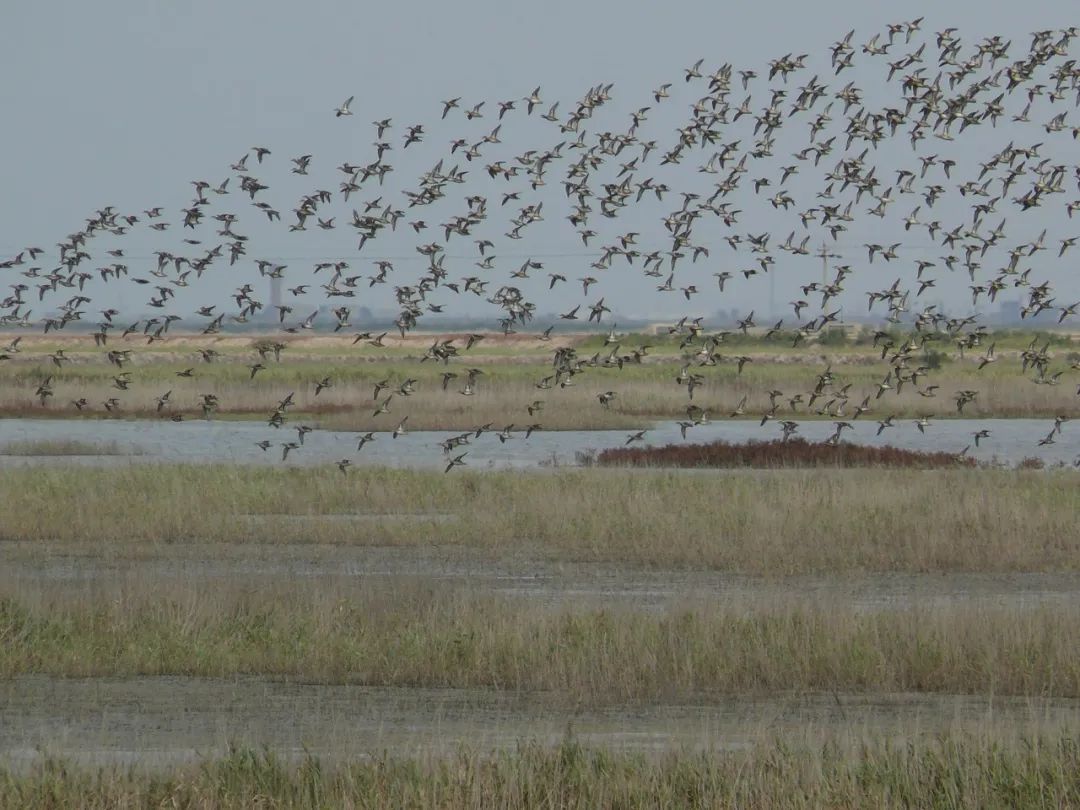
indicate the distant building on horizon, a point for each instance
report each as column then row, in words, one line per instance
column 1008, row 312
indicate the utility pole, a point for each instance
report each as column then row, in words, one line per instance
column 825, row 256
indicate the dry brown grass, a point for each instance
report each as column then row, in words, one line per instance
column 645, row 392
column 772, row 523
column 424, row 635
column 956, row 771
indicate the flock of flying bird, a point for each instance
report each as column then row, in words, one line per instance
column 916, row 147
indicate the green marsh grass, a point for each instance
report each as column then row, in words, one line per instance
column 771, row 523
column 421, row 634
column 646, row 391
column 414, row 632
column 952, row 771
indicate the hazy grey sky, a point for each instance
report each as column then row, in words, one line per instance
column 124, row 103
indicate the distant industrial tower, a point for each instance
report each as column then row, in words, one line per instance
column 275, row 292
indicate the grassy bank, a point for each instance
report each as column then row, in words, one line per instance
column 771, row 523
column 955, row 772
column 646, row 392
column 426, row 636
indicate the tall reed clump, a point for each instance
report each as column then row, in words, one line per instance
column 952, row 771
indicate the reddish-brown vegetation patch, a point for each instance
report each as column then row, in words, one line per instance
column 776, row 454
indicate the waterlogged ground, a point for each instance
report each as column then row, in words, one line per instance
column 162, row 721
column 543, row 583
column 157, row 722
column 207, row 442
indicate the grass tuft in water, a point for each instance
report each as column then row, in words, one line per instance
column 66, row 447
